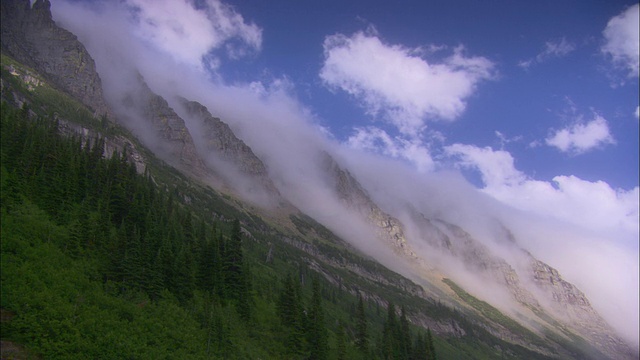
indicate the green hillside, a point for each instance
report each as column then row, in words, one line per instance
column 99, row 261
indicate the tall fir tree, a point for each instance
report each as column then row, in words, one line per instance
column 362, row 337
column 316, row 331
column 341, row 343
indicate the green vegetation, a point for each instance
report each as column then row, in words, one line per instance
column 494, row 314
column 98, row 261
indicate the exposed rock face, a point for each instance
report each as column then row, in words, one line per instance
column 569, row 305
column 476, row 256
column 574, row 307
column 356, row 198
column 219, row 141
column 30, row 36
column 143, row 110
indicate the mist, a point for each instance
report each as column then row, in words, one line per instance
column 287, row 137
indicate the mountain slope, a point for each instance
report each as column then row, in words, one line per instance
column 30, row 36
column 308, row 242
column 226, row 153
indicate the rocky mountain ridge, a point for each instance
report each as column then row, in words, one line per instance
column 220, row 144
column 30, row 36
column 567, row 301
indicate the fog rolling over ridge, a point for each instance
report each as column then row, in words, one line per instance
column 285, row 135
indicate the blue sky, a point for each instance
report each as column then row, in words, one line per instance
column 535, row 103
column 550, row 74
column 555, row 90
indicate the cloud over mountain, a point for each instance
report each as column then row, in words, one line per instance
column 592, row 205
column 190, row 33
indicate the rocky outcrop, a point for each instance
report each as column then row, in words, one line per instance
column 30, row 36
column 159, row 127
column 355, row 197
column 453, row 240
column 218, row 141
column 571, row 305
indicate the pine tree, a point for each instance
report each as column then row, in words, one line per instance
column 233, row 263
column 341, row 347
column 403, row 336
column 430, row 347
column 388, row 334
column 316, row 332
column 290, row 312
column 362, row 339
column 237, row 281
column 419, row 350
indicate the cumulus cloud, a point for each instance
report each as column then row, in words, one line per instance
column 405, row 89
column 592, row 205
column 377, row 140
column 190, row 33
column 552, row 49
column 496, row 167
column 588, row 230
column 621, row 40
column 582, row 137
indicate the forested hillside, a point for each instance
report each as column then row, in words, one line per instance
column 99, row 261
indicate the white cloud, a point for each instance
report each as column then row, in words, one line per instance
column 496, row 167
column 189, row 33
column 391, row 80
column 621, row 39
column 637, row 112
column 552, row 49
column 505, row 139
column 580, row 137
column 377, row 140
column 556, row 48
column 591, row 205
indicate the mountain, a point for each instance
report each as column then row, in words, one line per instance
column 217, row 174
column 226, row 153
column 30, row 36
column 567, row 301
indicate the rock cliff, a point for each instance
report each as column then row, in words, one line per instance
column 142, row 110
column 356, row 198
column 572, row 306
column 217, row 141
column 30, row 36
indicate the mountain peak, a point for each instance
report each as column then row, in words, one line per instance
column 30, row 36
column 227, row 155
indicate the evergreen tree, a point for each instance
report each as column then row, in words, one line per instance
column 419, row 349
column 403, row 336
column 362, row 339
column 316, row 331
column 341, row 346
column 431, row 350
column 388, row 334
column 290, row 312
column 183, row 279
column 236, row 277
column 233, row 264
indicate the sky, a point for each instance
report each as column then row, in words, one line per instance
column 535, row 104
